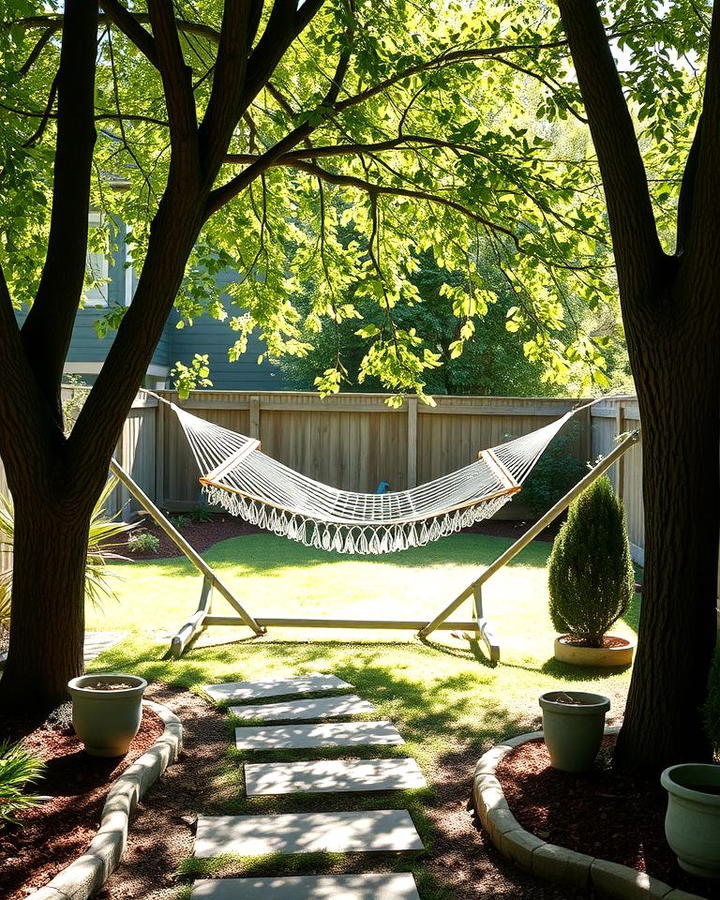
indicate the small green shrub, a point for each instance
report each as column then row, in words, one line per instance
column 143, row 542
column 711, row 709
column 17, row 769
column 180, row 520
column 590, row 576
column 201, row 514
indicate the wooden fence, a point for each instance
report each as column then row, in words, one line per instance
column 355, row 441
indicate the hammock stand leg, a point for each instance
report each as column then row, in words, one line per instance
column 474, row 590
column 211, row 580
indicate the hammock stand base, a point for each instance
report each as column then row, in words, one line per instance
column 478, row 628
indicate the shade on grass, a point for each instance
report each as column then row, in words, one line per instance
column 443, row 696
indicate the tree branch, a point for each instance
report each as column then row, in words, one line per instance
column 35, row 52
column 375, row 190
column 687, row 192
column 48, row 327
column 19, row 395
column 284, row 24
column 703, row 230
column 441, row 61
column 632, row 223
column 225, row 105
column 176, row 77
column 130, row 26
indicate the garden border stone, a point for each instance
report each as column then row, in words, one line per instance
column 550, row 861
column 87, row 874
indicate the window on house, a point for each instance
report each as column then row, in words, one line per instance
column 96, row 290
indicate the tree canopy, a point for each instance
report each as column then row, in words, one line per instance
column 452, row 130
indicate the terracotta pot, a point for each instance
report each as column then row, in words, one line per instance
column 692, row 821
column 573, row 731
column 620, row 654
column 106, row 719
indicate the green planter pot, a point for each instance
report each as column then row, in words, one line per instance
column 107, row 719
column 573, row 732
column 692, row 821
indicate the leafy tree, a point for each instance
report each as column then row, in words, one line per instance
column 239, row 130
column 492, row 360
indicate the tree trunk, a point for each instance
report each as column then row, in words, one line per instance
column 48, row 617
column 676, row 364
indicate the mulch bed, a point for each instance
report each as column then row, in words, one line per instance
column 54, row 834
column 601, row 813
column 201, row 535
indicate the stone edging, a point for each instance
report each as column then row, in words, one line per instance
column 551, row 861
column 86, row 875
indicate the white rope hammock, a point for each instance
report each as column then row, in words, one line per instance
column 238, row 476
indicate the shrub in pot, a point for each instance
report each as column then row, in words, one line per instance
column 692, row 821
column 107, row 711
column 591, row 579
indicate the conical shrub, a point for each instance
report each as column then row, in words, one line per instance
column 591, row 578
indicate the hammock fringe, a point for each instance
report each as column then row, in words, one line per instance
column 366, row 539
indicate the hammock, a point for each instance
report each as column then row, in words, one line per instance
column 238, row 476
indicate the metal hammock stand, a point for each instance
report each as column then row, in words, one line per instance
column 475, row 493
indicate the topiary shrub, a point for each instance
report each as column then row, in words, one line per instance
column 591, row 578
column 711, row 709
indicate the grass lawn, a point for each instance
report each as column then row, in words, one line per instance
column 443, row 695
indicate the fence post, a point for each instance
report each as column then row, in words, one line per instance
column 412, row 414
column 254, row 417
column 620, row 465
column 159, row 497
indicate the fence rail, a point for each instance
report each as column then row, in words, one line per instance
column 355, row 441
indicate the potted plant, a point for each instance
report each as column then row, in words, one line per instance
column 692, row 821
column 591, row 580
column 107, row 711
column 573, row 727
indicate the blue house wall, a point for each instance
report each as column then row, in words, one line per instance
column 87, row 351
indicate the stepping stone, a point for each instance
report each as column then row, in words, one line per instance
column 96, row 642
column 332, row 775
column 302, row 710
column 333, row 734
column 274, row 687
column 334, row 832
column 397, row 886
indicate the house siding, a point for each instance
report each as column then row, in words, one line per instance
column 206, row 335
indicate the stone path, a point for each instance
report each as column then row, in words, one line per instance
column 274, row 687
column 304, row 710
column 399, row 886
column 299, row 737
column 380, row 830
column 337, row 775
column 332, row 832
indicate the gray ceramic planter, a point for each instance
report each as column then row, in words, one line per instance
column 107, row 719
column 573, row 731
column 692, row 821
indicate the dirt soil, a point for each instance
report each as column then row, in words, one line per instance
column 163, row 833
column 203, row 535
column 601, row 813
column 50, row 836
